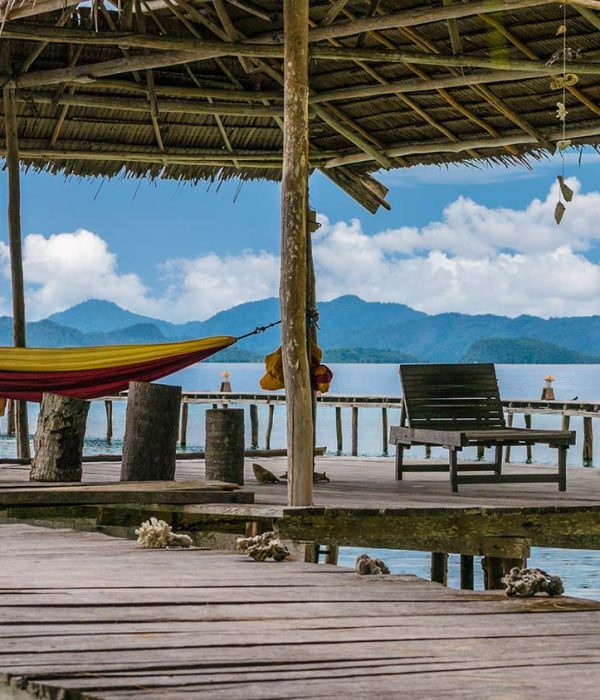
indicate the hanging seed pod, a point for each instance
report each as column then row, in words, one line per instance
column 566, row 191
column 561, row 30
column 559, row 212
column 563, row 144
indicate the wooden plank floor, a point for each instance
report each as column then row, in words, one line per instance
column 88, row 616
column 369, row 483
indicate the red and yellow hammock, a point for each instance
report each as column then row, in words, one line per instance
column 88, row 373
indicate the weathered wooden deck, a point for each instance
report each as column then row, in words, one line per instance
column 88, row 616
column 362, row 506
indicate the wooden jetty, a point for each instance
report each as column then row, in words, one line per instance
column 87, row 616
column 363, row 505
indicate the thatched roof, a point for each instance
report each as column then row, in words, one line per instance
column 192, row 89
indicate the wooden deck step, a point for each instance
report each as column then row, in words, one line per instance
column 173, row 492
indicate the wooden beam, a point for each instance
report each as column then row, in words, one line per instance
column 16, row 256
column 584, row 134
column 292, row 292
column 415, row 17
column 335, row 9
column 176, row 50
column 418, row 85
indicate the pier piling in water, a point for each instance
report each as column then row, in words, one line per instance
column 467, row 581
column 439, row 567
column 354, row 435
column 108, row 407
column 338, row 429
column 269, row 429
column 588, row 442
column 253, row 426
column 183, row 424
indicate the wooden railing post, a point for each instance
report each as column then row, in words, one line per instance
column 384, row 431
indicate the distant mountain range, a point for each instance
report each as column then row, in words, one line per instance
column 350, row 330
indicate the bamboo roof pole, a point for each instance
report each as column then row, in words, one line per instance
column 16, row 257
column 292, row 291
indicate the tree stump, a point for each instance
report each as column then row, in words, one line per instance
column 151, row 427
column 58, row 439
column 225, row 445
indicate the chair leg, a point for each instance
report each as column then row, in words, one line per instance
column 399, row 461
column 498, row 460
column 562, row 468
column 453, row 463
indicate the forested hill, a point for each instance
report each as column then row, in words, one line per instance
column 351, row 330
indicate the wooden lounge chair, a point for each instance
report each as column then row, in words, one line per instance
column 456, row 406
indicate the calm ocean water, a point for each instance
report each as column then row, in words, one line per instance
column 580, row 570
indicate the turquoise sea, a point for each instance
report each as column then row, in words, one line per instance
column 579, row 569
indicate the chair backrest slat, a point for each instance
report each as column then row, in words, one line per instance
column 452, row 396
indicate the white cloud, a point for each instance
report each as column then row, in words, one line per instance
column 204, row 285
column 476, row 259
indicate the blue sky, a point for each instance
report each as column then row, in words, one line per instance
column 456, row 239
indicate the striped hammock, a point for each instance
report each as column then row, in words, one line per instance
column 88, row 373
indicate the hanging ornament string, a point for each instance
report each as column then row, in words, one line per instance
column 563, row 82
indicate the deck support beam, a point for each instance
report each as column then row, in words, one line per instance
column 292, row 292
column 16, row 255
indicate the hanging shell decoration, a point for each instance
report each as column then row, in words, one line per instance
column 561, row 111
column 263, row 547
column 157, row 534
column 368, row 566
column 525, row 583
column 563, row 144
column 565, row 190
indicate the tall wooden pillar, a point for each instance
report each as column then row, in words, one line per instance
column 292, row 291
column 16, row 257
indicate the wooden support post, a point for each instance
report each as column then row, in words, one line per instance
column 588, row 442
column 151, row 424
column 16, row 256
column 566, row 421
column 183, row 424
column 493, row 571
column 312, row 314
column 10, row 419
column 108, row 407
column 384, row 431
column 331, row 554
column 59, row 439
column 253, row 426
column 354, row 435
column 292, row 290
column 528, row 447
column 269, row 426
column 509, row 421
column 480, row 453
column 439, row 567
column 427, row 451
column 338, row 429
column 466, row 572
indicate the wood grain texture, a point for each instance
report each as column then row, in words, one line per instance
column 88, row 616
